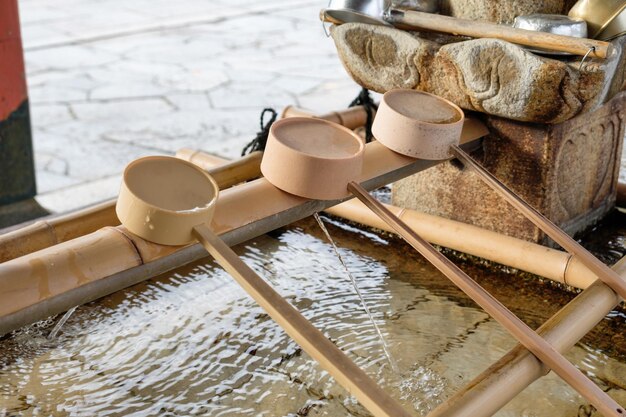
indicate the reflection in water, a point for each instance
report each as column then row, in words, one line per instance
column 192, row 343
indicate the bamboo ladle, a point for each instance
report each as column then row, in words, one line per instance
column 401, row 125
column 412, row 20
column 170, row 201
column 318, row 159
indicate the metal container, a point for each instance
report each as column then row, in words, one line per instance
column 552, row 23
column 360, row 11
column 615, row 28
column 598, row 13
column 426, row 6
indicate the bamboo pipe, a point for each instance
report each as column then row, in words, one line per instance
column 229, row 174
column 466, row 27
column 515, row 326
column 502, row 381
column 546, row 262
column 352, row 118
column 312, row 341
column 603, row 272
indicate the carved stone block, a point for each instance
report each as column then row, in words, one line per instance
column 567, row 171
column 485, row 75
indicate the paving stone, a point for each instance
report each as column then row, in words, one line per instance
column 70, row 57
column 98, row 105
column 84, row 194
column 236, row 95
column 115, row 113
column 49, row 181
column 49, row 114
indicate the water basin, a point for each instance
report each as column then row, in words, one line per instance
column 192, row 343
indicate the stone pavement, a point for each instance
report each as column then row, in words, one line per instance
column 112, row 80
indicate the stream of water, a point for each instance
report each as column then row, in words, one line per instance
column 383, row 343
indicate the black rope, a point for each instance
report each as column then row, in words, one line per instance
column 259, row 142
column 364, row 99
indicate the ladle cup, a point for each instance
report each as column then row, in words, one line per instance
column 401, row 125
column 301, row 151
column 171, row 202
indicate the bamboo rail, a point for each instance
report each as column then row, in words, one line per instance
column 351, row 118
column 513, row 324
column 546, row 262
column 57, row 278
column 475, row 29
column 412, row 20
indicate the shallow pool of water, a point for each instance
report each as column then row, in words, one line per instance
column 193, row 343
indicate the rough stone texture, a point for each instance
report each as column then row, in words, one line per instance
column 486, row 75
column 502, row 11
column 568, row 172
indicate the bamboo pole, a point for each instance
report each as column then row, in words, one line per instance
column 476, row 29
column 546, row 262
column 413, row 20
column 351, row 118
column 46, row 233
column 513, row 324
column 245, row 169
column 502, row 381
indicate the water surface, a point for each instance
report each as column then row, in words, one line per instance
column 192, row 343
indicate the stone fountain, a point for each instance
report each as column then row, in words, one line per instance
column 556, row 122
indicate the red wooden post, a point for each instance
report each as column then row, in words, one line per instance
column 17, row 176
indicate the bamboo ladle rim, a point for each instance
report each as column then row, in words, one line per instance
column 134, row 205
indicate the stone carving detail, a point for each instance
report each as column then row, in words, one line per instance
column 584, row 169
column 486, row 75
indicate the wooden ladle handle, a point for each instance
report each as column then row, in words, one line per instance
column 475, row 29
column 524, row 334
column 312, row 341
column 604, row 273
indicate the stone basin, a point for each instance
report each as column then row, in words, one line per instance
column 486, row 75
